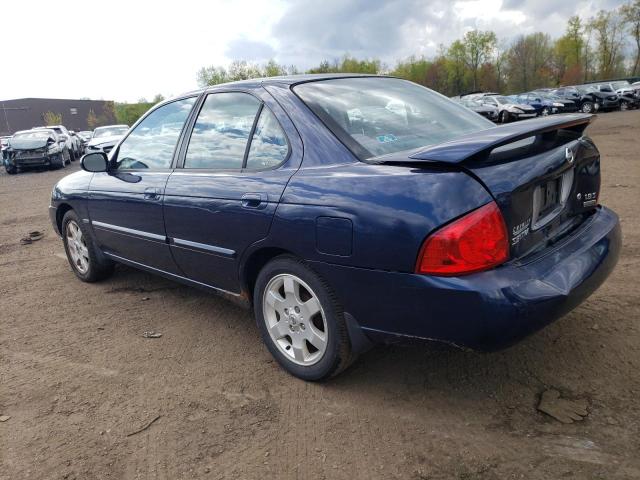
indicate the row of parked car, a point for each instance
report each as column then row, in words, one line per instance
column 588, row 98
column 55, row 146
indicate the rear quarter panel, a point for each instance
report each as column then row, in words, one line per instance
column 390, row 209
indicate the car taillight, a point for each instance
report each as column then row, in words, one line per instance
column 475, row 242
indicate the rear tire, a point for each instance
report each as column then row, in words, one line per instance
column 301, row 320
column 86, row 261
column 11, row 170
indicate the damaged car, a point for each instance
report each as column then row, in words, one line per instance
column 508, row 109
column 105, row 138
column 36, row 148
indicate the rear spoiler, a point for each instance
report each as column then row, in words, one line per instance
column 484, row 141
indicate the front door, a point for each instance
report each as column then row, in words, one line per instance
column 236, row 166
column 125, row 206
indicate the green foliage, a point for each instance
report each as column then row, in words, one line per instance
column 241, row 70
column 129, row 113
column 52, row 118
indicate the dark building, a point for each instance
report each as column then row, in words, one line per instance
column 26, row 113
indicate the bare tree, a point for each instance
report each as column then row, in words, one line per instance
column 631, row 17
column 608, row 28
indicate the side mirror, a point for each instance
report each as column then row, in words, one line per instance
column 95, row 162
column 51, row 141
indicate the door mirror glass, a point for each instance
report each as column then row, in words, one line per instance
column 95, row 162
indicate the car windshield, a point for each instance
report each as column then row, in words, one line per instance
column 502, row 100
column 33, row 135
column 468, row 102
column 377, row 116
column 109, row 131
column 619, row 85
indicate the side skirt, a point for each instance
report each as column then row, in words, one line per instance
column 233, row 296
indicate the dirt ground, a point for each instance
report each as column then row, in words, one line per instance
column 77, row 377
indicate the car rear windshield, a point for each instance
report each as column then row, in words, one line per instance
column 376, row 116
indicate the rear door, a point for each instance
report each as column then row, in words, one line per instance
column 239, row 156
column 125, row 204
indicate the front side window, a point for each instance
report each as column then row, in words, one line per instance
column 377, row 116
column 152, row 143
column 221, row 132
column 268, row 145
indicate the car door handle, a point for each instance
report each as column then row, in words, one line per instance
column 151, row 193
column 253, row 200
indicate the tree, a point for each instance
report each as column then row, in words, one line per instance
column 478, row 47
column 608, row 28
column 568, row 53
column 212, row 76
column 529, row 62
column 273, row 69
column 92, row 119
column 631, row 18
column 158, row 98
column 51, row 118
column 455, row 65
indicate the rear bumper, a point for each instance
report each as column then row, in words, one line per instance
column 488, row 310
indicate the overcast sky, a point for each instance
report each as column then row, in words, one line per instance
column 124, row 50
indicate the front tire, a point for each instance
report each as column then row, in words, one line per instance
column 60, row 161
column 624, row 106
column 86, row 261
column 587, row 107
column 300, row 320
column 11, row 169
column 504, row 117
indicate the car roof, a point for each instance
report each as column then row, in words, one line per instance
column 110, row 126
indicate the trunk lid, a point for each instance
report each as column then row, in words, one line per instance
column 543, row 174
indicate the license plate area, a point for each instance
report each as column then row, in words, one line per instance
column 549, row 199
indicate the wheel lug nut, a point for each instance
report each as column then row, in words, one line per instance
column 302, row 327
column 286, row 311
column 297, row 309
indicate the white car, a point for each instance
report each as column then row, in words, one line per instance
column 105, row 138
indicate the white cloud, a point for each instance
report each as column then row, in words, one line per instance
column 124, row 50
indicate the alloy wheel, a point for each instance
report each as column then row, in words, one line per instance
column 295, row 319
column 77, row 247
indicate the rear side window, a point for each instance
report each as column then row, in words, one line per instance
column 152, row 142
column 221, row 132
column 268, row 145
column 376, row 116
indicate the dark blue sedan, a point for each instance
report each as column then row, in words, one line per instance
column 349, row 210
